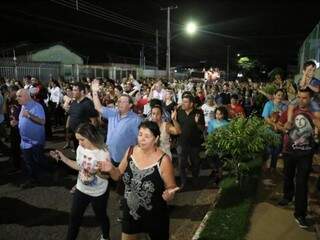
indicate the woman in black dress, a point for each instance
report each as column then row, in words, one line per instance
column 148, row 175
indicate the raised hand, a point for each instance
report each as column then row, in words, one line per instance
column 95, row 85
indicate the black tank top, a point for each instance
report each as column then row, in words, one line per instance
column 143, row 190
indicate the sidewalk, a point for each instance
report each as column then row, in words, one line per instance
column 272, row 222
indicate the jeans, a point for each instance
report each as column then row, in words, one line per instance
column 34, row 160
column 186, row 152
column 297, row 169
column 79, row 204
column 274, row 153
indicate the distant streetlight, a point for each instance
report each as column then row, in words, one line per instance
column 238, row 55
column 191, row 28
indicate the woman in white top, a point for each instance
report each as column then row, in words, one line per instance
column 55, row 99
column 157, row 91
column 91, row 186
column 166, row 128
column 67, row 100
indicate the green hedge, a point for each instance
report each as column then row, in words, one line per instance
column 230, row 218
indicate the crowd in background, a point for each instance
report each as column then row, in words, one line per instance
column 149, row 127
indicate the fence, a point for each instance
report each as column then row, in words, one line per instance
column 47, row 71
column 43, row 71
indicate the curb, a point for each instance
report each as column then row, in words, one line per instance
column 203, row 223
column 317, row 231
column 316, row 226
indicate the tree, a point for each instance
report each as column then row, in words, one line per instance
column 246, row 64
column 251, row 68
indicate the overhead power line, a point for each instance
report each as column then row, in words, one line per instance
column 107, row 15
column 105, row 35
column 116, row 15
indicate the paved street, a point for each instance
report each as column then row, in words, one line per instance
column 42, row 212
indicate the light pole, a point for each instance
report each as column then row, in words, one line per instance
column 228, row 62
column 168, row 39
column 15, row 65
column 157, row 52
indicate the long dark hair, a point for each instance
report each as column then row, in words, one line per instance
column 91, row 133
column 224, row 112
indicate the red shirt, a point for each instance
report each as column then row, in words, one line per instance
column 138, row 108
column 284, row 116
column 235, row 110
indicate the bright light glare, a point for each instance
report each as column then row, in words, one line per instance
column 191, row 28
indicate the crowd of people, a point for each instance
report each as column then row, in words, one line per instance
column 129, row 132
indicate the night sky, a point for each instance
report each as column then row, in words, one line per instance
column 271, row 31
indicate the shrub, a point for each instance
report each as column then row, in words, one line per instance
column 239, row 142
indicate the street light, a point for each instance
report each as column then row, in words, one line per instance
column 191, row 28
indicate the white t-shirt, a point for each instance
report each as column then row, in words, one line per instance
column 88, row 182
column 159, row 95
column 56, row 95
column 208, row 112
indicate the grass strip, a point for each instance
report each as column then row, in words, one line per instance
column 231, row 216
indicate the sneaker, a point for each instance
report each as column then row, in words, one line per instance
column 284, row 202
column 302, row 222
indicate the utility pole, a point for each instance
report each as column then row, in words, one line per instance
column 157, row 52
column 228, row 62
column 15, row 64
column 142, row 58
column 168, row 9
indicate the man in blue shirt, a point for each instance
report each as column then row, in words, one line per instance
column 122, row 128
column 31, row 127
column 122, row 124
